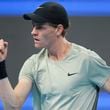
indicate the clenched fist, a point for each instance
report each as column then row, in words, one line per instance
column 3, row 49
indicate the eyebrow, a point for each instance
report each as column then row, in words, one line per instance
column 37, row 24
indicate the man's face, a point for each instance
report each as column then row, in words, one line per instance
column 43, row 35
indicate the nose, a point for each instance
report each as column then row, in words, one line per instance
column 34, row 32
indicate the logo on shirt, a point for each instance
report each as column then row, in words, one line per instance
column 70, row 74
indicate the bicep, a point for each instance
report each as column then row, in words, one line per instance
column 22, row 89
column 107, row 85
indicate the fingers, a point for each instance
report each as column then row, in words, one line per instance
column 3, row 49
column 3, row 46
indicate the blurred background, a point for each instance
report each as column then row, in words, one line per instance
column 90, row 27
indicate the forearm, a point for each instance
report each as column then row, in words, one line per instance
column 13, row 99
column 8, row 95
column 107, row 85
column 8, row 107
column 6, row 91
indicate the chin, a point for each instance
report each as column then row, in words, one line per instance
column 38, row 46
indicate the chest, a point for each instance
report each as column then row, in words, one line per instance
column 61, row 78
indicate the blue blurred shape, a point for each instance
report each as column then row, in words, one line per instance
column 73, row 7
column 103, row 102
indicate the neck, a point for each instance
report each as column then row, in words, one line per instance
column 59, row 49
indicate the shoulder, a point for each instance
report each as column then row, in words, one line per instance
column 88, row 54
column 30, row 65
column 38, row 56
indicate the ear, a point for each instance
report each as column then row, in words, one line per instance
column 59, row 30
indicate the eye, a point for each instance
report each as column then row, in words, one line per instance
column 36, row 25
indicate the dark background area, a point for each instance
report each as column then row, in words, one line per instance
column 90, row 32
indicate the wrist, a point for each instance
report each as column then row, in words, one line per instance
column 3, row 73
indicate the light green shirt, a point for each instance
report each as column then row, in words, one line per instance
column 69, row 84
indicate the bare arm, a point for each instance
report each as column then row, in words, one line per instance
column 12, row 98
column 107, row 85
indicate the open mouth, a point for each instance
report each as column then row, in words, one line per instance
column 36, row 40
